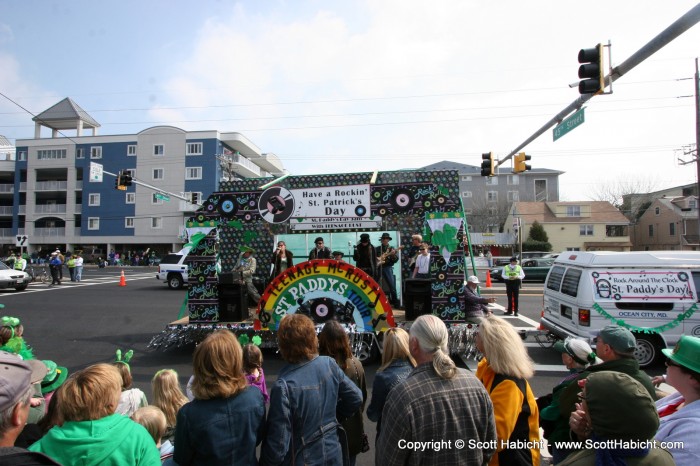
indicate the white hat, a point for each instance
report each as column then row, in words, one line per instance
column 473, row 279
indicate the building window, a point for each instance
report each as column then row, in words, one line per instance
column 22, row 156
column 492, row 180
column 131, row 198
column 672, row 229
column 466, row 178
column 657, row 211
column 94, row 200
column 573, row 211
column 93, row 223
column 156, row 222
column 466, row 194
column 129, row 222
column 513, row 196
column 50, row 154
column 573, row 249
column 131, row 150
column 585, row 230
column 96, row 152
column 156, row 200
column 513, row 180
column 158, row 149
column 651, row 231
column 492, row 211
column 692, row 203
column 492, row 196
column 158, row 173
column 194, row 148
column 80, row 153
column 131, row 172
column 193, row 173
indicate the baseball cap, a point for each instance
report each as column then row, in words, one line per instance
column 619, row 338
column 15, row 378
column 473, row 279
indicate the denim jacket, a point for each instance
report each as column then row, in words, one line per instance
column 302, row 414
column 384, row 381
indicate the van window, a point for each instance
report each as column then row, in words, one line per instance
column 555, row 276
column 171, row 259
column 570, row 283
column 696, row 280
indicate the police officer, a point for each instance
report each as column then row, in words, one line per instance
column 513, row 275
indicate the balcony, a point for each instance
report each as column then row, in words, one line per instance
column 51, row 186
column 244, row 166
column 6, row 210
column 52, row 232
column 50, row 209
column 6, row 232
column 7, row 188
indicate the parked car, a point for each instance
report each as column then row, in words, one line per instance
column 173, row 270
column 11, row 278
column 535, row 269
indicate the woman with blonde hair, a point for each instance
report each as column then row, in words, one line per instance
column 224, row 423
column 397, row 363
column 92, row 432
column 504, row 371
column 168, row 396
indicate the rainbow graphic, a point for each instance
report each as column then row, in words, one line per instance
column 326, row 289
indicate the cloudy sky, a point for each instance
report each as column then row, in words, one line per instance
column 357, row 85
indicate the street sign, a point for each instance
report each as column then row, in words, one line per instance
column 95, row 172
column 21, row 240
column 577, row 119
column 163, row 197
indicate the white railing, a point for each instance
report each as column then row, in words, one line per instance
column 5, row 232
column 51, row 186
column 50, row 209
column 23, row 186
column 22, row 209
column 49, row 232
column 78, row 209
column 7, row 188
column 5, row 210
column 240, row 160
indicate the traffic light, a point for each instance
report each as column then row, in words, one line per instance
column 519, row 164
column 119, row 183
column 126, row 179
column 591, row 71
column 487, row 166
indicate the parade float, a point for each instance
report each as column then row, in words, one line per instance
column 254, row 213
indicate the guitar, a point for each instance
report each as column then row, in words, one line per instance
column 381, row 260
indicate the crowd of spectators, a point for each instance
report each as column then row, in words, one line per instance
column 313, row 413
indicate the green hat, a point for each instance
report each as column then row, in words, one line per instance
column 54, row 378
column 686, row 353
column 619, row 338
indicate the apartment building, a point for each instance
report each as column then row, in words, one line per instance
column 48, row 198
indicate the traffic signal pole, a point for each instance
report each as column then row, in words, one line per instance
column 153, row 188
column 682, row 24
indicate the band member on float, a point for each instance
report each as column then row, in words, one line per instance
column 365, row 256
column 320, row 251
column 282, row 259
column 388, row 256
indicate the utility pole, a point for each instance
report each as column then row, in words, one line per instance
column 697, row 134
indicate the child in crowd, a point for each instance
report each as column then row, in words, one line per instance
column 153, row 419
column 131, row 399
column 252, row 366
column 168, row 396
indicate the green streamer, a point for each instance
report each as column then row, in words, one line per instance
column 660, row 329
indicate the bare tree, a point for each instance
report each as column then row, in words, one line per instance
column 619, row 194
column 488, row 216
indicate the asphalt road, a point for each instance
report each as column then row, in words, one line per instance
column 78, row 324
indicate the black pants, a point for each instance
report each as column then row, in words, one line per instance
column 512, row 292
column 54, row 275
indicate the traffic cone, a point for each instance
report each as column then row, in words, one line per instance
column 541, row 327
column 122, row 280
column 488, row 279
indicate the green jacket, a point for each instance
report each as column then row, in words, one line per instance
column 627, row 366
column 114, row 440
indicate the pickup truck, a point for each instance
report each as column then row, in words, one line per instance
column 173, row 270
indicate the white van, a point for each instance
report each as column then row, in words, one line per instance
column 642, row 290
